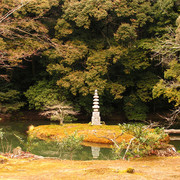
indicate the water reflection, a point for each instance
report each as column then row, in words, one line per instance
column 95, row 152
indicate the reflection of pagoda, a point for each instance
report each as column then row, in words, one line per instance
column 95, row 151
column 96, row 120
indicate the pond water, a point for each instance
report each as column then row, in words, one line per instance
column 50, row 149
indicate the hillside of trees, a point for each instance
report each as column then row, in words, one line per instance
column 62, row 50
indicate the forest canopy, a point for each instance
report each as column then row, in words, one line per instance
column 63, row 50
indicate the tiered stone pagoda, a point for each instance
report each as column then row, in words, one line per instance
column 96, row 120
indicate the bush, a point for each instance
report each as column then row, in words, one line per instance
column 10, row 101
column 69, row 145
column 134, row 108
column 42, row 94
column 5, row 145
column 144, row 141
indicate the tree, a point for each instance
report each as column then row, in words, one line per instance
column 86, row 45
column 58, row 112
column 21, row 32
column 43, row 93
column 10, row 101
column 22, row 36
column 168, row 51
column 100, row 45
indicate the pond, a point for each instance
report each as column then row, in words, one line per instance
column 15, row 135
column 175, row 140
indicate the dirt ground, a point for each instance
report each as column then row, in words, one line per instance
column 163, row 168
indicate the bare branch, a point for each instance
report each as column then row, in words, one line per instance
column 166, row 49
column 151, row 124
column 12, row 11
column 127, row 149
column 172, row 117
column 110, row 139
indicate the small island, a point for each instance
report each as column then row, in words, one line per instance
column 90, row 89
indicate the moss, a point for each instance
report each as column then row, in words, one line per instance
column 130, row 170
column 3, row 159
column 94, row 134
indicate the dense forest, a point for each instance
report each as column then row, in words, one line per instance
column 60, row 51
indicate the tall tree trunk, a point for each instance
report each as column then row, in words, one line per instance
column 33, row 68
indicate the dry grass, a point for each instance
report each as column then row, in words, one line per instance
column 151, row 168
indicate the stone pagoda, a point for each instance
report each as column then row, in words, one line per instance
column 95, row 120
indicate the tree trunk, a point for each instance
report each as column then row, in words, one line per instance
column 61, row 122
column 173, row 131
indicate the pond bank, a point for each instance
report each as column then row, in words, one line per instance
column 145, row 168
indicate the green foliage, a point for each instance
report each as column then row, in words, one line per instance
column 125, row 33
column 63, row 28
column 168, row 87
column 145, row 86
column 82, row 11
column 168, row 90
column 143, row 142
column 139, row 12
column 28, row 144
column 43, row 93
column 164, row 16
column 70, row 118
column 117, row 90
column 35, row 7
column 134, row 129
column 88, row 45
column 4, row 143
column 69, row 145
column 134, row 108
column 10, row 101
column 95, row 69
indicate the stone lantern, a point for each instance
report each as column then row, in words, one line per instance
column 95, row 120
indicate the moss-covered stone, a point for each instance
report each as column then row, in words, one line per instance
column 3, row 159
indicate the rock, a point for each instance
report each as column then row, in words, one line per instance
column 168, row 151
column 17, row 151
column 3, row 159
column 130, row 170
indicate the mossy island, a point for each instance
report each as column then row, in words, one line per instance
column 130, row 136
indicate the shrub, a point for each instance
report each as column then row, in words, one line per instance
column 69, row 145
column 5, row 145
column 144, row 141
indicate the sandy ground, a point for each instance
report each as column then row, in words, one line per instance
column 166, row 168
